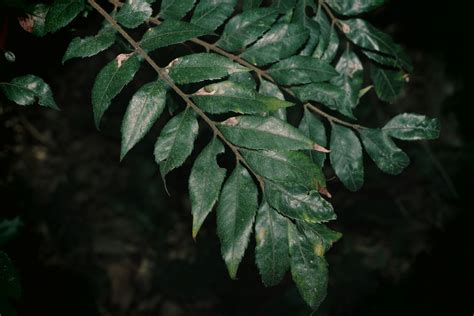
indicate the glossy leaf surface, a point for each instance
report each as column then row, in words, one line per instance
column 134, row 12
column 210, row 14
column 176, row 141
column 245, row 28
column 202, row 66
column 290, row 167
column 282, row 41
column 61, row 13
column 300, row 70
column 271, row 250
column 170, row 32
column 299, row 204
column 144, row 109
column 175, row 9
column 383, row 151
column 28, row 89
column 354, row 7
column 346, row 157
column 367, row 36
column 308, row 269
column 388, row 83
column 235, row 215
column 314, row 129
column 110, row 81
column 205, row 183
column 264, row 133
column 228, row 96
column 409, row 126
column 91, row 45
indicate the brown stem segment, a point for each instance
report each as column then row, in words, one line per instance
column 166, row 78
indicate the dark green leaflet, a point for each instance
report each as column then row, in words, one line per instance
column 142, row 112
column 271, row 250
column 409, row 126
column 297, row 203
column 205, row 183
column 235, row 215
column 176, row 141
column 346, row 157
column 110, row 81
column 308, row 268
column 91, row 45
column 383, row 151
column 26, row 90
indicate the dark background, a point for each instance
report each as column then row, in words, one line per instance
column 102, row 238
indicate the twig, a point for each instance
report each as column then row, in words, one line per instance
column 166, row 78
column 263, row 74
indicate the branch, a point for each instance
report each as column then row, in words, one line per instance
column 334, row 19
column 166, row 78
column 262, row 73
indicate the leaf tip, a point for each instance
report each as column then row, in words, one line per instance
column 121, row 58
column 324, row 191
column 320, row 148
column 231, row 121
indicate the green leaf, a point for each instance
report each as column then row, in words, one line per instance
column 290, row 167
column 354, row 7
column 332, row 47
column 228, row 96
column 283, row 6
column 38, row 13
column 176, row 141
column 382, row 59
column 308, row 269
column 297, row 203
column 144, row 109
column 205, row 183
column 245, row 28
column 322, row 237
column 313, row 40
column 408, row 126
column 328, row 94
column 367, row 36
column 175, row 9
column 110, row 81
column 301, row 69
column 271, row 251
column 269, row 89
column 258, row 132
column 324, row 33
column 314, row 129
column 250, row 4
column 383, row 151
column 282, row 41
column 244, row 78
column 169, row 33
column 235, row 215
column 91, row 45
column 134, row 12
column 210, row 14
column 350, row 79
column 202, row 66
column 61, row 13
column 346, row 157
column 388, row 83
column 300, row 10
column 9, row 282
column 28, row 89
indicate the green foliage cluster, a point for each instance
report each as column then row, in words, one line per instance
column 259, row 61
